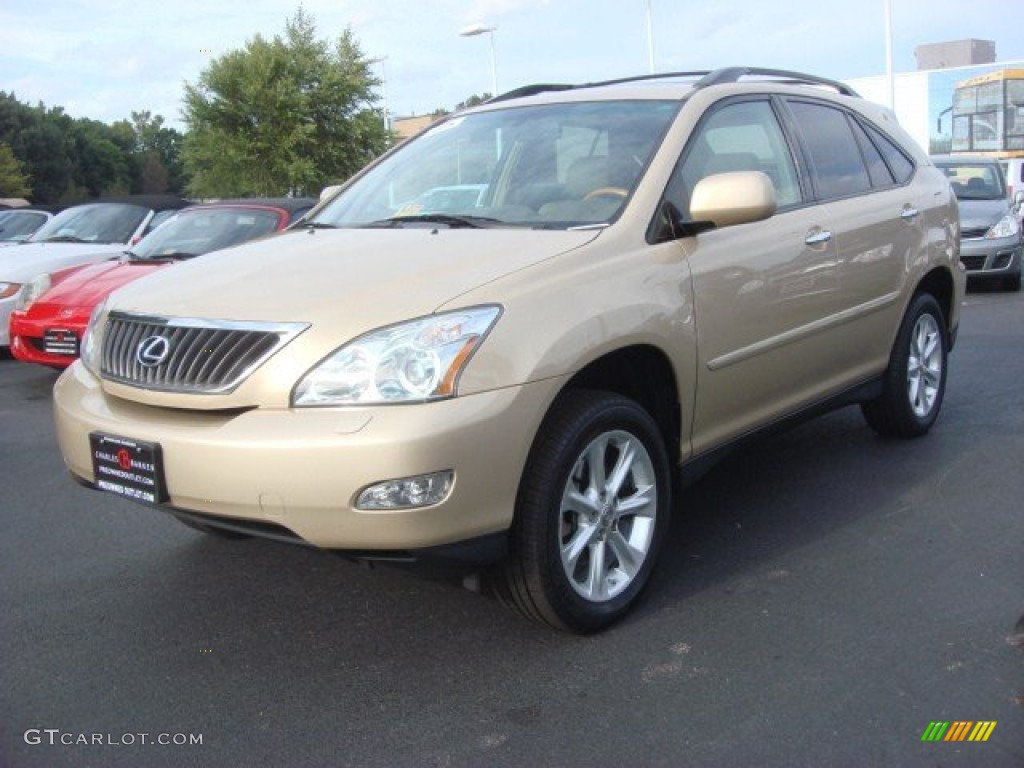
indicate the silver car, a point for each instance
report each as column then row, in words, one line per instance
column 990, row 231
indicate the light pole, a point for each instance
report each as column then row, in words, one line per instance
column 383, row 87
column 650, row 40
column 889, row 75
column 479, row 29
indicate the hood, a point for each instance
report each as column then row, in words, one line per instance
column 23, row 262
column 344, row 281
column 88, row 285
column 979, row 214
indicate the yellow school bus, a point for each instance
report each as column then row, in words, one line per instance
column 988, row 114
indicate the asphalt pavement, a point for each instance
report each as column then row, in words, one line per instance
column 824, row 598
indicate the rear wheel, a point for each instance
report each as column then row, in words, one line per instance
column 915, row 381
column 592, row 509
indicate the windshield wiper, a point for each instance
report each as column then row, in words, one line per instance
column 449, row 219
column 172, row 256
column 317, row 225
column 64, row 239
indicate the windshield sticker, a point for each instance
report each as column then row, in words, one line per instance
column 447, row 125
column 410, row 209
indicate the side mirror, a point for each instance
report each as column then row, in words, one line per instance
column 738, row 197
column 1018, row 199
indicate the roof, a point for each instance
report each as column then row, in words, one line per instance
column 964, row 159
column 290, row 204
column 153, row 202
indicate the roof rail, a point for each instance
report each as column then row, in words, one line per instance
column 641, row 78
column 706, row 78
column 531, row 90
column 733, row 74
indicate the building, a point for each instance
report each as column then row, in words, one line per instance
column 945, row 110
column 956, row 53
column 405, row 127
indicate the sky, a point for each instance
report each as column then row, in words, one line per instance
column 104, row 59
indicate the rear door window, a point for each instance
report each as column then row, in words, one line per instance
column 837, row 165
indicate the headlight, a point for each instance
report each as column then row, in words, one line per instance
column 92, row 341
column 410, row 362
column 32, row 290
column 9, row 289
column 1007, row 227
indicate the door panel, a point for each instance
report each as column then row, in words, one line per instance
column 878, row 238
column 766, row 303
column 765, row 294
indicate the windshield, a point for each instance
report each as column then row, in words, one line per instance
column 18, row 225
column 200, row 230
column 94, row 223
column 552, row 166
column 976, row 181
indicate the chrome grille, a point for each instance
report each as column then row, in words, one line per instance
column 200, row 356
column 973, row 233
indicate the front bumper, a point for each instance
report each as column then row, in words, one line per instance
column 302, row 469
column 34, row 340
column 6, row 308
column 991, row 258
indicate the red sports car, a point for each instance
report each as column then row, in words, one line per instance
column 48, row 324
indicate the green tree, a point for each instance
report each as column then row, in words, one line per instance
column 283, row 115
column 101, row 165
column 40, row 140
column 472, row 101
column 13, row 181
column 155, row 152
column 46, row 148
column 69, row 160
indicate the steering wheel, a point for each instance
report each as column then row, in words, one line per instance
column 606, row 192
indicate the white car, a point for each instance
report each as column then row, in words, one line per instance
column 77, row 235
column 19, row 224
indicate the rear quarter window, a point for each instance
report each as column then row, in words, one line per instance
column 902, row 167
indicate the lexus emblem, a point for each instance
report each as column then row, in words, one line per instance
column 152, row 351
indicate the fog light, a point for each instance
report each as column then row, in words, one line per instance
column 408, row 492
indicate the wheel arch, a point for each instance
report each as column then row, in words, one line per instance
column 939, row 283
column 642, row 373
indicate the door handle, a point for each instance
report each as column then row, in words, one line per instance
column 909, row 213
column 818, row 237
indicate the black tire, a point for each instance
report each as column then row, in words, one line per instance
column 914, row 384
column 618, row 530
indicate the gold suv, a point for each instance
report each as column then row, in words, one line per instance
column 498, row 343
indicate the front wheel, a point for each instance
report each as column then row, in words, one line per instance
column 915, row 381
column 592, row 509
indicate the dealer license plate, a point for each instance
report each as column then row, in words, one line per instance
column 57, row 341
column 130, row 468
